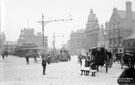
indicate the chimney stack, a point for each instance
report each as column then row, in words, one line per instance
column 128, row 10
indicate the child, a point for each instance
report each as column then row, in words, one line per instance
column 93, row 68
column 87, row 64
column 83, row 65
column 92, row 65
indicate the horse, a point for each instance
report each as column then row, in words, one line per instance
column 128, row 59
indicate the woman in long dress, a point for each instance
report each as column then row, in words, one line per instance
column 83, row 65
column 87, row 64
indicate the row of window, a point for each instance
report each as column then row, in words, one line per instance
column 129, row 43
column 117, row 42
column 115, row 35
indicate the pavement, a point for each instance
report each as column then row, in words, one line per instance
column 15, row 71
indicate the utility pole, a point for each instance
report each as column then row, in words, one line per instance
column 53, row 43
column 63, row 39
column 43, row 23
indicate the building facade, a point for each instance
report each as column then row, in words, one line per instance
column 102, row 37
column 92, row 31
column 120, row 26
column 77, row 41
column 9, row 46
column 27, row 36
column 2, row 41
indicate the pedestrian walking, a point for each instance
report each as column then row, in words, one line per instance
column 44, row 62
column 44, row 65
column 27, row 58
column 3, row 56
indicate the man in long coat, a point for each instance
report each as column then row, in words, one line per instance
column 44, row 62
column 27, row 58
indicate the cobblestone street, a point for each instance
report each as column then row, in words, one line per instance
column 14, row 71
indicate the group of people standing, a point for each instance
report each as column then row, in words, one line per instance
column 87, row 64
column 91, row 60
column 4, row 54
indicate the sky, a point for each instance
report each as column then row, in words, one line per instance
column 19, row 14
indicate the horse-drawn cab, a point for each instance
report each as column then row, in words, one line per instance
column 128, row 59
column 101, row 57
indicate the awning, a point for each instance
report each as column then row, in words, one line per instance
column 132, row 36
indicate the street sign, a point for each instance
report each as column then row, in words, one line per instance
column 120, row 50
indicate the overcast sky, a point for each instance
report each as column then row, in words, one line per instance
column 19, row 14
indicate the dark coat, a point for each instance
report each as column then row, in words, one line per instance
column 127, row 76
column 44, row 62
column 93, row 66
column 87, row 62
column 100, row 58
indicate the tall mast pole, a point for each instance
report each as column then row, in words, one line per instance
column 53, row 44
column 43, row 23
column 43, row 30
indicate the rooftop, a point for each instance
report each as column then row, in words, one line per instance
column 122, row 14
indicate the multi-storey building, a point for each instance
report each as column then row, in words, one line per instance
column 92, row 30
column 120, row 26
column 102, row 37
column 9, row 46
column 27, row 36
column 77, row 41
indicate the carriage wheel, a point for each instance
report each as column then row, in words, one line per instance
column 122, row 63
column 107, row 64
column 106, row 67
column 121, row 66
